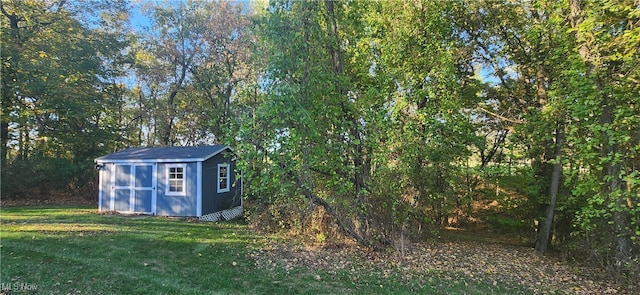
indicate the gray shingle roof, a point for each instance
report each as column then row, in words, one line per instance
column 164, row 154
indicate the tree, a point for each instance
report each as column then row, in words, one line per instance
column 607, row 143
column 174, row 49
column 59, row 90
column 190, row 69
column 314, row 123
column 432, row 127
column 518, row 47
column 228, row 66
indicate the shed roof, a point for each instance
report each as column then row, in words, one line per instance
column 164, row 154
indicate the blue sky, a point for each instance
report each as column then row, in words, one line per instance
column 138, row 20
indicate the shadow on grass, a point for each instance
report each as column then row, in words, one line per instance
column 67, row 250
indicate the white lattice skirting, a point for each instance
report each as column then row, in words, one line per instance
column 227, row 214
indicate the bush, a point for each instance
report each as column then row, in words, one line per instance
column 505, row 224
column 23, row 178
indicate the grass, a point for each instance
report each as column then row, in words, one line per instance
column 66, row 250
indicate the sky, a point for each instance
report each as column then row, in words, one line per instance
column 138, row 20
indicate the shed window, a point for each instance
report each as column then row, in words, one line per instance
column 223, row 178
column 176, row 180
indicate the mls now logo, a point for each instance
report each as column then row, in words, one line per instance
column 18, row 286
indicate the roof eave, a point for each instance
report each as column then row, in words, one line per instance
column 102, row 160
column 217, row 152
column 187, row 160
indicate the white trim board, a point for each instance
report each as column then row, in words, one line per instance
column 150, row 161
column 199, row 189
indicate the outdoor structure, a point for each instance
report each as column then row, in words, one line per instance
column 198, row 181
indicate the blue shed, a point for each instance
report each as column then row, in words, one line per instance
column 198, row 181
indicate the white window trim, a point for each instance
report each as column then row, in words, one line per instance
column 228, row 178
column 184, row 180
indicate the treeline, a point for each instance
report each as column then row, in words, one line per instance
column 391, row 116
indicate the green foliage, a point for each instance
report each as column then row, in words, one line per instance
column 505, row 224
column 38, row 176
column 605, row 150
column 392, row 115
column 60, row 98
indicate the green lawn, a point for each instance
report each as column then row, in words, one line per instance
column 78, row 251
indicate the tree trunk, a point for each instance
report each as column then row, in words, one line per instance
column 9, row 77
column 167, row 133
column 613, row 184
column 543, row 242
column 4, row 135
column 613, row 188
column 545, row 228
column 360, row 164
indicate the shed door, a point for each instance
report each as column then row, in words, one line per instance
column 121, row 188
column 143, row 188
column 133, row 188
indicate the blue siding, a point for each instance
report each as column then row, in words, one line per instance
column 177, row 205
column 212, row 201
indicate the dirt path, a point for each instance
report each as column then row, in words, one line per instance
column 493, row 262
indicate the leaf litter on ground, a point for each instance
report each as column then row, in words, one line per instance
column 428, row 262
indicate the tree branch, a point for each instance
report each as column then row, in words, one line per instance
column 321, row 202
column 503, row 118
